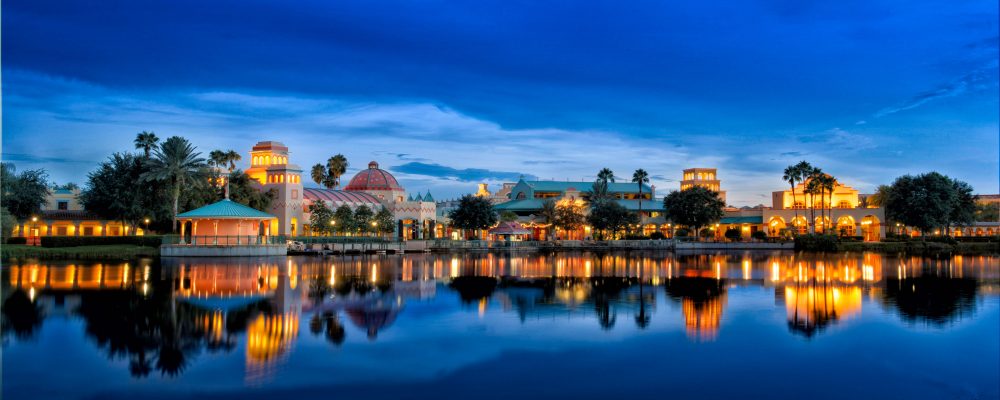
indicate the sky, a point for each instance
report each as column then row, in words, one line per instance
column 447, row 94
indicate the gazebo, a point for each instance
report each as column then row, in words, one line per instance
column 225, row 223
column 509, row 229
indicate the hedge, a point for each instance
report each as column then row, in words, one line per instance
column 17, row 240
column 75, row 241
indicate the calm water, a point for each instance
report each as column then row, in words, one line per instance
column 656, row 325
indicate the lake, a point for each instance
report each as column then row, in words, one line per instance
column 566, row 325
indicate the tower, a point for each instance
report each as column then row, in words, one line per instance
column 269, row 166
column 704, row 177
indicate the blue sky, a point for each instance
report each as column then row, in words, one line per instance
column 448, row 94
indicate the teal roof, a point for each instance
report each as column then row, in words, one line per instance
column 418, row 198
column 409, row 197
column 536, row 204
column 225, row 209
column 582, row 186
column 428, row 197
column 742, row 220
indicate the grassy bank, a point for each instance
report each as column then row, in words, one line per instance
column 103, row 252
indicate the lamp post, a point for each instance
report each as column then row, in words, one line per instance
column 34, row 225
column 374, row 227
column 146, row 231
column 332, row 225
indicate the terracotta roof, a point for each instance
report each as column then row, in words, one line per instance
column 373, row 178
column 339, row 196
column 69, row 215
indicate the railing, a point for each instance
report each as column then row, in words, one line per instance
column 339, row 239
column 555, row 244
column 222, row 240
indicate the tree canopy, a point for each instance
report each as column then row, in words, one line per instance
column 695, row 206
column 473, row 213
column 929, row 201
column 22, row 194
column 609, row 216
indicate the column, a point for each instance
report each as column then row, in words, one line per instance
column 182, row 232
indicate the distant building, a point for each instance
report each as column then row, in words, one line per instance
column 845, row 215
column 62, row 214
column 704, row 177
column 372, row 187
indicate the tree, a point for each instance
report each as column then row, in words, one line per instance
column 551, row 215
column 598, row 192
column 877, row 199
column 569, row 216
column 695, row 207
column 473, row 213
column 176, row 162
column 318, row 174
column 22, row 194
column 384, row 221
column 610, row 216
column 7, row 223
column 146, row 141
column 640, row 176
column 343, row 219
column 336, row 166
column 243, row 190
column 113, row 191
column 963, row 209
column 320, row 217
column 605, row 176
column 926, row 201
column 796, row 173
column 363, row 219
column 508, row 216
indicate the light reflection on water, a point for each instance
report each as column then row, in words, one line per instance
column 202, row 323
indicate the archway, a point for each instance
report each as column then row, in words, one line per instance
column 870, row 228
column 845, row 226
column 801, row 225
column 776, row 225
column 821, row 224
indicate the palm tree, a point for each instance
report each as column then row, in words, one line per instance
column 146, row 141
column 791, row 176
column 606, row 175
column 336, row 167
column 640, row 176
column 177, row 162
column 878, row 198
column 224, row 159
column 829, row 183
column 318, row 174
column 550, row 212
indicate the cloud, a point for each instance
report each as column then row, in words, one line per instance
column 838, row 139
column 793, row 154
column 464, row 175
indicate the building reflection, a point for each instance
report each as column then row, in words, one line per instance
column 161, row 316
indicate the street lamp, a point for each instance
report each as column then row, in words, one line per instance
column 146, row 221
column 34, row 226
column 374, row 225
column 332, row 224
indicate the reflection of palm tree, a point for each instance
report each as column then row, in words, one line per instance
column 642, row 319
column 605, row 290
column 21, row 316
column 473, row 288
column 335, row 332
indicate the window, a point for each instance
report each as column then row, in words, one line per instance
column 295, row 194
column 62, row 205
column 844, row 204
column 88, row 231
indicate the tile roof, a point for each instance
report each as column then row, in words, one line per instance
column 583, row 186
column 742, row 220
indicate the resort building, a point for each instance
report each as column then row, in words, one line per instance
column 845, row 215
column 373, row 187
column 527, row 197
column 704, row 177
column 62, row 214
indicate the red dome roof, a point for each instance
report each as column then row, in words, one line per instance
column 373, row 178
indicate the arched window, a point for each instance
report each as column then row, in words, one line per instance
column 521, row 196
column 844, row 204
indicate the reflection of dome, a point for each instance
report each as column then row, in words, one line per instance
column 373, row 178
column 372, row 318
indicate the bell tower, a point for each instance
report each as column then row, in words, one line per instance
column 269, row 166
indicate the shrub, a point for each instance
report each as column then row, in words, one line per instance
column 17, row 240
column 74, row 241
column 682, row 232
column 759, row 235
column 733, row 234
column 657, row 236
column 816, row 242
column 635, row 237
column 707, row 233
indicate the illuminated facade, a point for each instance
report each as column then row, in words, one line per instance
column 62, row 214
column 845, row 215
column 372, row 187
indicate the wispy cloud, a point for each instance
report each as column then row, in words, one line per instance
column 464, row 175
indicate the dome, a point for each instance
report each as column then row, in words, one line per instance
column 373, row 178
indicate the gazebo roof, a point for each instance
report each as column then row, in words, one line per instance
column 225, row 209
column 509, row 228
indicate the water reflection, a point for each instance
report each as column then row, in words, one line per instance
column 162, row 317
